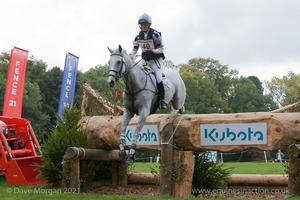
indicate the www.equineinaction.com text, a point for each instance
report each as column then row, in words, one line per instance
column 242, row 191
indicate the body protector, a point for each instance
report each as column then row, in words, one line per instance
column 151, row 44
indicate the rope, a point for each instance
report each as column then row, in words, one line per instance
column 297, row 146
column 83, row 152
column 168, row 143
column 77, row 153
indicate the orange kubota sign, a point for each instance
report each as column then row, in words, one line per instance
column 13, row 98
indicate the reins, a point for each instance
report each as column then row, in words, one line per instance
column 119, row 74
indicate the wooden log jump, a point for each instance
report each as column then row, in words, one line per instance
column 73, row 153
column 282, row 130
column 234, row 179
column 71, row 166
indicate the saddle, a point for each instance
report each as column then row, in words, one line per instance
column 148, row 69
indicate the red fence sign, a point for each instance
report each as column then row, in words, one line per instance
column 13, row 98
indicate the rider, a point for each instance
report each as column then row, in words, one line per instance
column 150, row 41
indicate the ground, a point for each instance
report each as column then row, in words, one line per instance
column 132, row 189
column 153, row 190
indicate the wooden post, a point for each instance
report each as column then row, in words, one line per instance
column 75, row 176
column 65, row 182
column 119, row 173
column 183, row 169
column 71, row 166
column 166, row 160
column 294, row 169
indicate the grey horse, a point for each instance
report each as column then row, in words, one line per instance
column 140, row 96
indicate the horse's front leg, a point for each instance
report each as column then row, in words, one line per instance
column 126, row 119
column 143, row 114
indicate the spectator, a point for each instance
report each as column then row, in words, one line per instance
column 158, row 158
column 279, row 156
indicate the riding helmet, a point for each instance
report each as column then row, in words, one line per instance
column 145, row 19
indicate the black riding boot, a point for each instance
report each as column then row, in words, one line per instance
column 161, row 95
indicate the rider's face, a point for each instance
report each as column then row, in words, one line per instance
column 144, row 27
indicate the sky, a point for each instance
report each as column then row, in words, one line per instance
column 256, row 37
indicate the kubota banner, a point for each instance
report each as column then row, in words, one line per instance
column 67, row 90
column 13, row 98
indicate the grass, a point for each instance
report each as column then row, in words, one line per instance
column 43, row 192
column 238, row 167
column 256, row 168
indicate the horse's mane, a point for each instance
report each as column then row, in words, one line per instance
column 125, row 52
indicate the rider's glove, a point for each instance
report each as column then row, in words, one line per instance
column 147, row 55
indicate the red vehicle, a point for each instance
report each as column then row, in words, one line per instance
column 20, row 152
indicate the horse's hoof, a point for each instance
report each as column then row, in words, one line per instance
column 130, row 158
column 163, row 105
column 122, row 154
column 181, row 110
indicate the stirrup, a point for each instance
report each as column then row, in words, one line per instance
column 163, row 104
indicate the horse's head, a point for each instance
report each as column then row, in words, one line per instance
column 117, row 65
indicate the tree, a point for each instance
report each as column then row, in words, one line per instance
column 285, row 90
column 50, row 88
column 222, row 76
column 68, row 133
column 202, row 94
column 4, row 61
column 247, row 97
column 32, row 109
column 257, row 83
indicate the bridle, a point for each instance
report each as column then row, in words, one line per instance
column 117, row 74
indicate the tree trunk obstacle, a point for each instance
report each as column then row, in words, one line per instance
column 71, row 166
column 282, row 130
column 174, row 179
column 179, row 136
column 183, row 132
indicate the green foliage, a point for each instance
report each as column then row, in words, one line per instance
column 248, row 97
column 223, row 77
column 32, row 108
column 285, row 90
column 202, row 94
column 97, row 78
column 209, row 175
column 68, row 133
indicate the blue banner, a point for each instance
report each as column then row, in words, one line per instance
column 67, row 91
